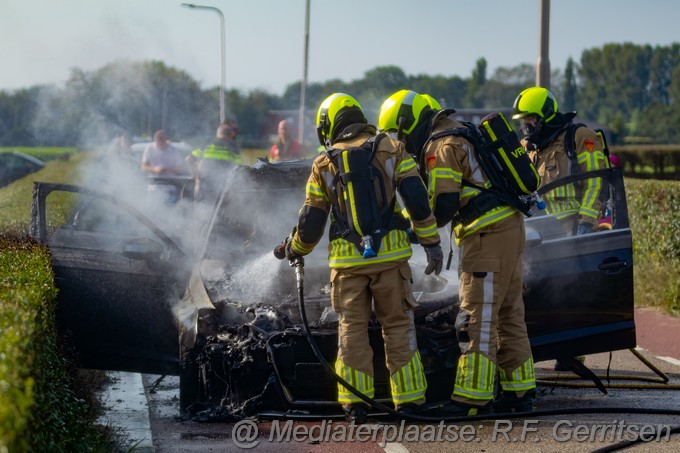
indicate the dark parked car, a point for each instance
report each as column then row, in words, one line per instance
column 15, row 165
column 129, row 289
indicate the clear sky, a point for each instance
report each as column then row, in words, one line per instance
column 42, row 40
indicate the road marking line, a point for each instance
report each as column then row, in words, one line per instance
column 672, row 360
column 393, row 447
column 390, row 447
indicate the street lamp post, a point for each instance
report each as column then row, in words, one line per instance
column 219, row 13
column 543, row 64
column 303, row 85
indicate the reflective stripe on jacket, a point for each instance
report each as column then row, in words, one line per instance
column 449, row 160
column 394, row 163
column 216, row 152
column 553, row 163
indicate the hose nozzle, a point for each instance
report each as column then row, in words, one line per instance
column 280, row 251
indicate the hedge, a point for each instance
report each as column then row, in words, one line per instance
column 39, row 410
column 654, row 209
column 649, row 161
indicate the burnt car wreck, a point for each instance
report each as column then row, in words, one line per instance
column 195, row 291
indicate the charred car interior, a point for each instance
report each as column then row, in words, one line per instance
column 195, row 291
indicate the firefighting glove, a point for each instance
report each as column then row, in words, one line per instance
column 584, row 228
column 284, row 250
column 290, row 254
column 435, row 259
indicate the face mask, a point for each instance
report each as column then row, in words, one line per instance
column 528, row 128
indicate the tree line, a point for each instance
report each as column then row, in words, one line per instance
column 634, row 90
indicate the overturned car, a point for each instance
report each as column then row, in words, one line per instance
column 194, row 290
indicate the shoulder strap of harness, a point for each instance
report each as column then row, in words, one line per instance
column 373, row 221
column 570, row 149
column 488, row 198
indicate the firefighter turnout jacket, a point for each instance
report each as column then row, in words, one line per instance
column 579, row 200
column 383, row 280
column 218, row 151
column 400, row 173
column 490, row 325
column 447, row 162
column 209, row 167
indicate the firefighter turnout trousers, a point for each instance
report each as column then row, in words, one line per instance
column 388, row 285
column 491, row 330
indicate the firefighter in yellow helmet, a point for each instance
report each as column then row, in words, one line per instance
column 368, row 263
column 490, row 325
column 432, row 102
column 559, row 149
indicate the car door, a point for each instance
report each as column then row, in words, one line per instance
column 579, row 288
column 119, row 278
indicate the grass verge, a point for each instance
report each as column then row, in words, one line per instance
column 15, row 199
column 44, row 154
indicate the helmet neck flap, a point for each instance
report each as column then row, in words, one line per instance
column 419, row 135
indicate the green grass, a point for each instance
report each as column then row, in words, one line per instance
column 15, row 199
column 42, row 153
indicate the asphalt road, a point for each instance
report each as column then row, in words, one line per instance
column 632, row 386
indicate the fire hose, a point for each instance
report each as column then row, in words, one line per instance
column 298, row 263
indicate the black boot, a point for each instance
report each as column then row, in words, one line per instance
column 455, row 409
column 410, row 408
column 508, row 402
column 357, row 413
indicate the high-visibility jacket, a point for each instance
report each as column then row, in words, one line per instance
column 220, row 150
column 399, row 172
column 450, row 159
column 552, row 163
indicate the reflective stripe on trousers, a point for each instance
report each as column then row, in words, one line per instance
column 408, row 384
column 490, row 325
column 360, row 381
column 475, row 377
column 521, row 379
